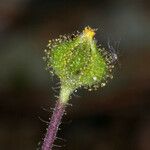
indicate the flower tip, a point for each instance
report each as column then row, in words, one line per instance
column 89, row 32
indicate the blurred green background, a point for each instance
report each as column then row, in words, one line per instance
column 116, row 117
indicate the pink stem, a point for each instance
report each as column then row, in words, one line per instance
column 53, row 126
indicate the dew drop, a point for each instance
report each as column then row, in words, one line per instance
column 94, row 78
column 103, row 84
column 89, row 89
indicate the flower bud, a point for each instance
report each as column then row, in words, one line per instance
column 78, row 61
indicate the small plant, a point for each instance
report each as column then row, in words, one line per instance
column 77, row 62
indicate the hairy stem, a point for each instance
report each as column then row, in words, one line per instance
column 53, row 126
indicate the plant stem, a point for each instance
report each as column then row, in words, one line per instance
column 57, row 115
column 53, row 126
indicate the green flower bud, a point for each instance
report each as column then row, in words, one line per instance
column 78, row 62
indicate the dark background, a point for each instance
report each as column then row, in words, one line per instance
column 116, row 117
